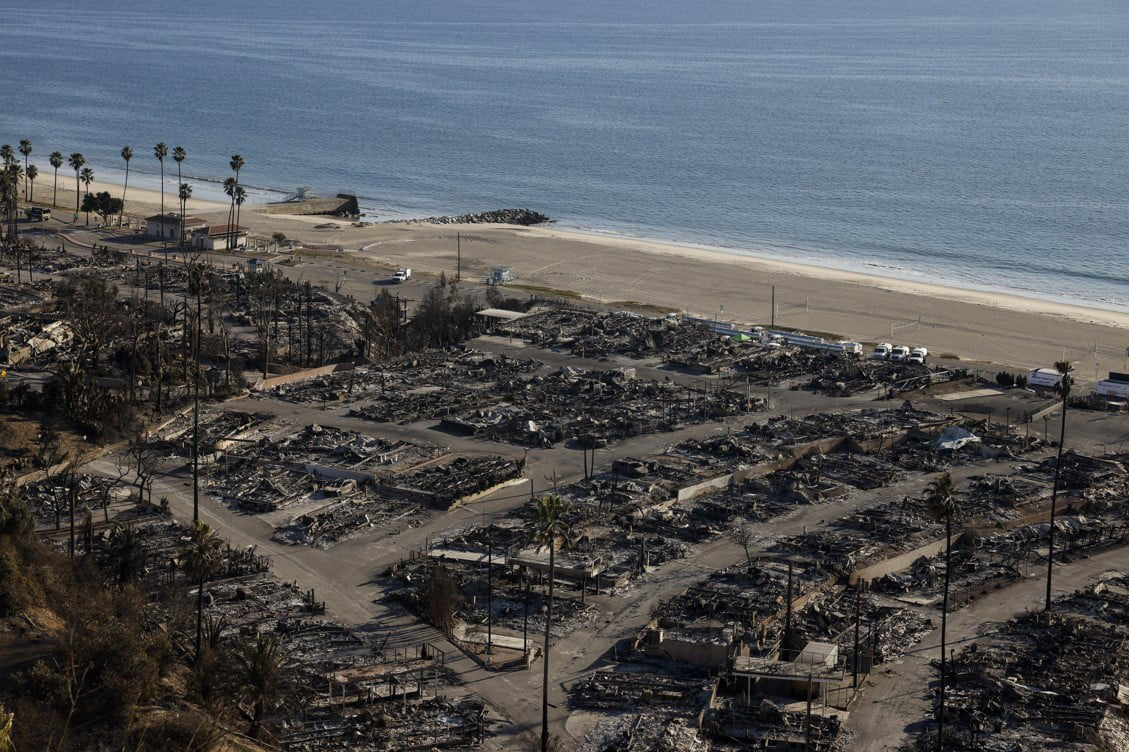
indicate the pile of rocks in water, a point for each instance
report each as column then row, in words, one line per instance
column 499, row 216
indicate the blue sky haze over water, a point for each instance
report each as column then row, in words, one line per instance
column 976, row 143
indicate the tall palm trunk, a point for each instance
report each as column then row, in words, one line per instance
column 55, row 189
column 1054, row 500
column 196, row 418
column 199, row 617
column 121, row 214
column 944, row 628
column 545, row 677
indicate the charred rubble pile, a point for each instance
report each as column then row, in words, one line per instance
column 311, row 504
column 1036, row 683
column 342, row 682
column 886, row 629
column 594, row 407
column 50, row 500
column 767, row 726
column 748, row 601
column 350, row 451
column 598, row 334
column 429, row 383
column 846, row 376
column 645, row 731
column 31, row 340
column 870, row 425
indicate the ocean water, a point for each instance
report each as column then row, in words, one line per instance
column 982, row 144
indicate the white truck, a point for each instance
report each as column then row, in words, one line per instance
column 402, row 275
column 918, row 355
column 899, row 353
column 1115, row 387
column 882, row 352
column 1043, row 378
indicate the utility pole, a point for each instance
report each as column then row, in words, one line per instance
column 858, row 599
column 788, row 616
column 458, row 257
column 773, row 325
column 489, row 595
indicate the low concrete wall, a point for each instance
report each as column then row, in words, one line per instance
column 899, row 562
column 713, row 484
column 470, row 499
column 308, row 373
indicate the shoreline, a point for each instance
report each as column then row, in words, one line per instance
column 1002, row 298
column 997, row 327
column 148, row 199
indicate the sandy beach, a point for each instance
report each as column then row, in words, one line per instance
column 983, row 327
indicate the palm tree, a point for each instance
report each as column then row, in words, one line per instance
column 76, row 161
column 261, row 669
column 56, row 160
column 179, row 155
column 185, row 194
column 160, row 151
column 6, row 154
column 128, row 553
column 236, row 165
column 240, row 197
column 200, row 563
column 32, row 172
column 550, row 528
column 127, row 154
column 229, row 186
column 1064, row 368
column 942, row 506
column 10, row 176
column 87, row 179
column 25, row 149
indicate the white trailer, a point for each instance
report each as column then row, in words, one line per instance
column 1044, row 378
column 1112, row 388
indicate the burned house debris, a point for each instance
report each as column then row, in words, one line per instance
column 1035, row 682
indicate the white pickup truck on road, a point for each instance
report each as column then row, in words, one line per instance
column 402, row 275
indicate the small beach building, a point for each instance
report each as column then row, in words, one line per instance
column 170, row 226
column 220, row 238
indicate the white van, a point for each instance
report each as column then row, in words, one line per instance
column 899, row 353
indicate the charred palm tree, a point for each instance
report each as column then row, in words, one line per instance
column 32, row 172
column 262, row 665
